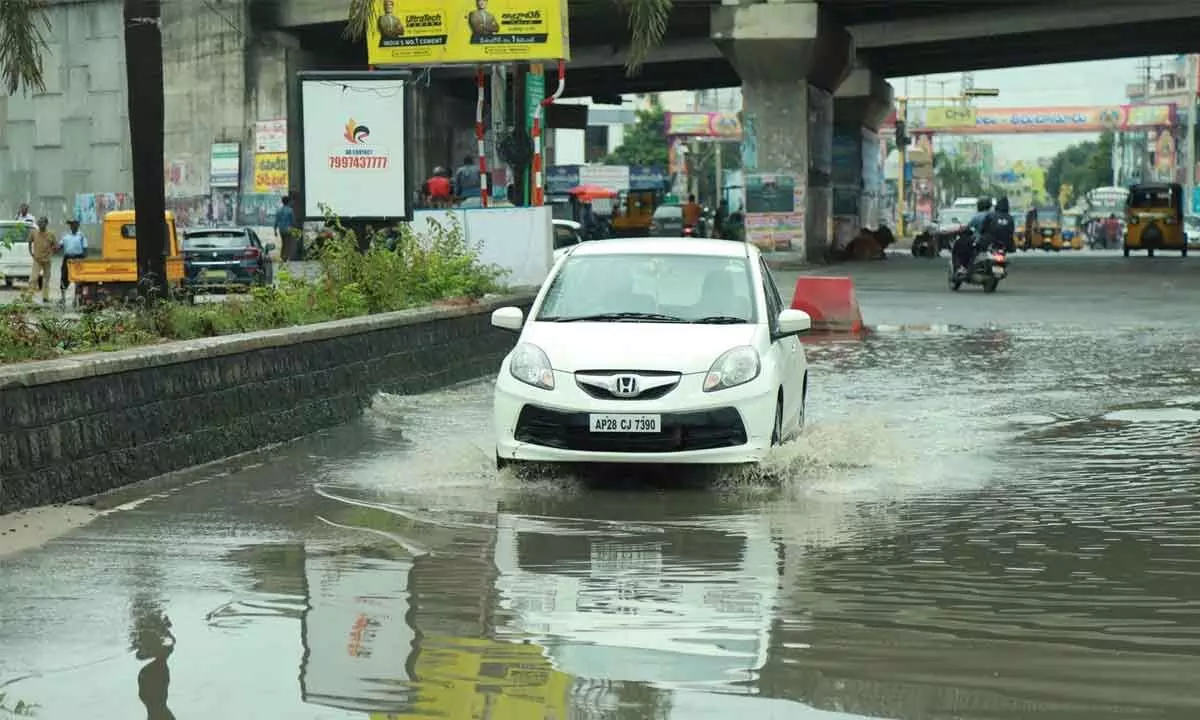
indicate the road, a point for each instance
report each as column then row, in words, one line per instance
column 994, row 516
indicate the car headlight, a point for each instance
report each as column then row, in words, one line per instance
column 735, row 367
column 531, row 366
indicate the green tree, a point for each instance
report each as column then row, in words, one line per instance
column 1084, row 166
column 956, row 177
column 645, row 142
column 23, row 28
column 647, row 24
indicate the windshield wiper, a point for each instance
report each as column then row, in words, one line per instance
column 620, row 317
column 720, row 320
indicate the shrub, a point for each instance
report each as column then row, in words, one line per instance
column 400, row 268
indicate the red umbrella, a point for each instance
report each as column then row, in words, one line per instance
column 592, row 192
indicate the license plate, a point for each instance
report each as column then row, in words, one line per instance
column 998, row 271
column 214, row 274
column 625, row 423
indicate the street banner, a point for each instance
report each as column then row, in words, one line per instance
column 473, row 32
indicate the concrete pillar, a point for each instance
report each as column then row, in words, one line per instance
column 860, row 106
column 791, row 57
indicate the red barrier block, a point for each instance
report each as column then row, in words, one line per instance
column 830, row 301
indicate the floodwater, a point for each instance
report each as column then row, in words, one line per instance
column 994, row 518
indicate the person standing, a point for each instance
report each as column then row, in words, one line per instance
column 74, row 247
column 691, row 214
column 24, row 216
column 285, row 224
column 466, row 179
column 42, row 246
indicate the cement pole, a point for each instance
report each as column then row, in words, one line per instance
column 1190, row 148
column 901, row 116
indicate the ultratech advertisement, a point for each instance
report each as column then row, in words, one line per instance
column 467, row 31
column 355, row 145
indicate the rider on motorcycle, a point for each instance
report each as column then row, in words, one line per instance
column 964, row 246
column 999, row 226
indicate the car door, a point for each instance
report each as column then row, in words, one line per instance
column 788, row 353
column 268, row 267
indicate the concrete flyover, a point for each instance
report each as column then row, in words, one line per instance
column 819, row 64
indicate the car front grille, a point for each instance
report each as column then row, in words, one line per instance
column 680, row 432
column 670, row 381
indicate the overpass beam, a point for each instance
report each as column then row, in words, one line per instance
column 860, row 106
column 791, row 58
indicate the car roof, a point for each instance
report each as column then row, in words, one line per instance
column 667, row 246
column 219, row 229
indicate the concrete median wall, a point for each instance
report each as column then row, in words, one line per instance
column 82, row 425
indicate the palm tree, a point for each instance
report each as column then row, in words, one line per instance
column 957, row 177
column 23, row 28
column 647, row 24
column 144, row 80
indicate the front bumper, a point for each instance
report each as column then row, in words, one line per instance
column 732, row 426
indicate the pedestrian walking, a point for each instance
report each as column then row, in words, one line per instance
column 74, row 247
column 42, row 245
column 285, row 225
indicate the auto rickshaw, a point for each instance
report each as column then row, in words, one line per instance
column 1072, row 231
column 1154, row 219
column 1049, row 230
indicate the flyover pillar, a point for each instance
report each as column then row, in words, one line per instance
column 860, row 106
column 791, row 57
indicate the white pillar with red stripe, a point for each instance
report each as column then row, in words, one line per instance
column 538, row 194
column 479, row 138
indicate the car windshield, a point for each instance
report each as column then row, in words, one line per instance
column 645, row 287
column 1150, row 198
column 215, row 240
column 668, row 212
column 14, row 233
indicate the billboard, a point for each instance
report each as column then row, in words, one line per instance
column 355, row 132
column 433, row 32
column 1067, row 119
column 938, row 118
column 356, row 636
column 712, row 125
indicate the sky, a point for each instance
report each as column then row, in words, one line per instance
column 1097, row 82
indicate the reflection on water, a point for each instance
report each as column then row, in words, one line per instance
column 995, row 539
column 981, row 525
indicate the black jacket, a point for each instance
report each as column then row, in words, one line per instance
column 998, row 229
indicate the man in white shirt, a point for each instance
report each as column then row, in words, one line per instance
column 24, row 216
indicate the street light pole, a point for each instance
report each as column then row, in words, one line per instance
column 1190, row 149
column 902, row 147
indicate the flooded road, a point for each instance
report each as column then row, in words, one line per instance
column 993, row 518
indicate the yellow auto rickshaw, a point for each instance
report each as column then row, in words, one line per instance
column 1154, row 219
column 1072, row 232
column 1048, row 235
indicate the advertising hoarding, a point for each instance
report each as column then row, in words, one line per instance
column 355, row 132
column 429, row 32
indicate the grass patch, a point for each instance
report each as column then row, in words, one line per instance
column 409, row 268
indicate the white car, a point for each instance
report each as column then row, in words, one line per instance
column 652, row 350
column 15, row 262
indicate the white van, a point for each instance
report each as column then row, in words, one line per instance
column 15, row 263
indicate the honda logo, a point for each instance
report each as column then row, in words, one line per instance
column 625, row 386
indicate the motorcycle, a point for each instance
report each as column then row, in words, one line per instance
column 987, row 268
column 689, row 231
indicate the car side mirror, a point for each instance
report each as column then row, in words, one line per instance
column 508, row 318
column 793, row 322
column 270, row 247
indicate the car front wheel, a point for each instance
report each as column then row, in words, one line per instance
column 777, row 430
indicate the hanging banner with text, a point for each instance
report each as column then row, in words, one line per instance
column 426, row 32
column 270, row 173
